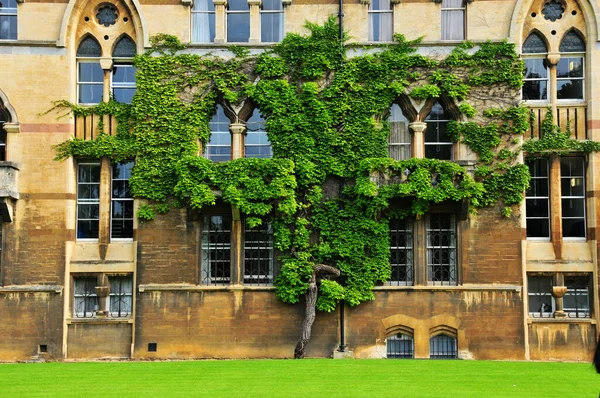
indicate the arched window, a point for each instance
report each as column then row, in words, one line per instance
column 438, row 144
column 219, row 146
column 123, row 73
column 203, row 21
column 90, row 76
column 400, row 345
column 399, row 138
column 443, row 346
column 271, row 21
column 381, row 21
column 570, row 69
column 257, row 143
column 8, row 20
column 238, row 21
column 453, row 19
column 536, row 68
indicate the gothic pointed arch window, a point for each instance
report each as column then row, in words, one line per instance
column 90, row 76
column 123, row 73
column 399, row 139
column 218, row 148
column 570, row 71
column 381, row 20
column 536, row 73
column 256, row 144
column 438, row 144
column 8, row 20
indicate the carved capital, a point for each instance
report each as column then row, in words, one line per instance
column 237, row 128
column 220, row 2
column 553, row 58
column 418, row 127
column 254, row 3
column 106, row 63
column 365, row 2
column 286, row 3
column 188, row 3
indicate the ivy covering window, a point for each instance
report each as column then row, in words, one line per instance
column 121, row 221
column 256, row 144
column 572, row 187
column 453, row 20
column 88, row 200
column 203, row 21
column 570, row 69
column 401, row 252
column 438, row 144
column 238, row 21
column 218, row 148
column 537, row 201
column 381, row 20
column 399, row 138
column 8, row 20
column 90, row 76
column 271, row 21
column 441, row 249
column 536, row 74
column 216, row 250
column 121, row 296
column 258, row 254
column 123, row 74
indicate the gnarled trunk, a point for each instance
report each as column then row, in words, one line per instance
column 319, row 272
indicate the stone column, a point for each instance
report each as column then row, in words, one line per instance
column 558, row 291
column 552, row 59
column 106, row 64
column 102, row 291
column 555, row 207
column 220, row 21
column 254, row 21
column 105, row 196
column 418, row 142
column 237, row 142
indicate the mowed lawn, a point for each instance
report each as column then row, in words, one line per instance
column 303, row 378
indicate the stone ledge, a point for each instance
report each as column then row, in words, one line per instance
column 77, row 321
column 31, row 289
column 561, row 320
column 466, row 288
column 188, row 287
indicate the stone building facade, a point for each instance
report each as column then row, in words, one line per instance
column 80, row 277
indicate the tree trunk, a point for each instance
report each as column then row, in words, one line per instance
column 319, row 271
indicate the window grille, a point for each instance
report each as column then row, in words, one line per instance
column 381, row 20
column 453, row 20
column 258, row 254
column 88, row 200
column 238, row 21
column 400, row 346
column 203, row 21
column 216, row 250
column 576, row 302
column 443, row 346
column 441, row 249
column 121, row 296
column 401, row 252
column 218, row 148
column 271, row 21
column 541, row 302
column 438, row 144
column 121, row 223
column 85, row 300
column 572, row 178
column 537, row 200
column 8, row 20
column 257, row 144
column 399, row 138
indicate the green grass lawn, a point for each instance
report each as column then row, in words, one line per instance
column 304, row 378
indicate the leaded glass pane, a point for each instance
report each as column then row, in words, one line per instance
column 125, row 48
column 534, row 45
column 89, row 47
column 553, row 10
column 106, row 15
column 572, row 43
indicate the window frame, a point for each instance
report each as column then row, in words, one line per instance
column 452, row 248
column 207, row 249
column 409, row 249
column 84, row 201
column 85, row 295
column 543, row 57
column 129, row 199
column 371, row 13
column 444, row 10
column 267, row 228
column 208, row 144
column 229, row 12
column 88, row 60
column 567, row 55
column 578, row 292
column 401, row 353
column 109, row 305
column 260, row 121
column 404, row 147
column 437, row 122
column 13, row 16
column 122, row 63
column 209, row 13
column 272, row 12
column 547, row 198
column 583, row 198
column 447, row 339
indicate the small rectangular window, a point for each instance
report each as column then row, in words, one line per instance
column 258, row 254
column 203, row 21
column 537, row 200
column 576, row 302
column 123, row 83
column 541, row 302
column 443, row 346
column 271, row 21
column 8, row 20
column 216, row 250
column 121, row 296
column 238, row 21
column 85, row 300
column 88, row 200
column 401, row 252
column 535, row 86
column 90, row 82
column 381, row 21
column 453, row 20
column 441, row 249
column 572, row 187
column 400, row 346
column 121, row 221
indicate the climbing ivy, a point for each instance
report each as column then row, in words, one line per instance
column 331, row 187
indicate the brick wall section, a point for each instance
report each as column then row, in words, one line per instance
column 167, row 249
column 28, row 320
column 88, row 341
column 232, row 324
column 492, row 249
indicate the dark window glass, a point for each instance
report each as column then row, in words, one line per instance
column 219, row 146
column 541, row 303
column 216, row 250
column 401, row 252
column 8, row 20
column 89, row 48
column 88, row 200
column 125, row 48
column 572, row 43
column 238, row 21
column 553, row 10
column 91, row 82
column 534, row 45
column 537, row 202
column 443, row 347
column 441, row 249
column 576, row 302
column 121, row 222
column 258, row 254
column 106, row 15
column 400, row 346
column 438, row 144
column 572, row 176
